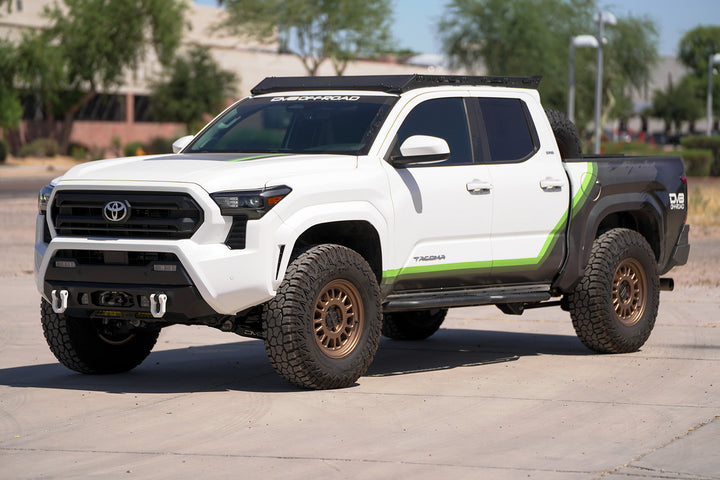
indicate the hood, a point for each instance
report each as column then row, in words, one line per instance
column 213, row 172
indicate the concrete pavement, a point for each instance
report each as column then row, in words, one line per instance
column 489, row 396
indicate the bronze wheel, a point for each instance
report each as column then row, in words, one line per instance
column 629, row 292
column 614, row 306
column 322, row 328
column 339, row 319
column 113, row 334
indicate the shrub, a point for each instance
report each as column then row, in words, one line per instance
column 116, row 146
column 96, row 153
column 3, row 150
column 131, row 149
column 697, row 162
column 159, row 145
column 632, row 148
column 40, row 147
column 701, row 141
column 706, row 143
column 78, row 152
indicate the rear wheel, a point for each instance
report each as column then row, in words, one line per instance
column 613, row 308
column 414, row 325
column 322, row 328
column 95, row 346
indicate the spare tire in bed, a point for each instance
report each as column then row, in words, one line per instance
column 566, row 134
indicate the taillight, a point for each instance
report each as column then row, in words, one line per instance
column 684, row 180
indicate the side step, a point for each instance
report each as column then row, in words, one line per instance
column 399, row 302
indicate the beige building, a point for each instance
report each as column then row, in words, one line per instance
column 121, row 112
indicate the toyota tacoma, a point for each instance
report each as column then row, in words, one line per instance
column 320, row 213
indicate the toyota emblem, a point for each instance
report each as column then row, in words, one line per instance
column 115, row 211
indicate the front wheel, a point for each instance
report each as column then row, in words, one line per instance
column 94, row 346
column 613, row 308
column 322, row 328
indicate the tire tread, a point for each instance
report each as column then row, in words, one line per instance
column 590, row 304
column 289, row 344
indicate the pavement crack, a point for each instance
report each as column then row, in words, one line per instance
column 687, row 476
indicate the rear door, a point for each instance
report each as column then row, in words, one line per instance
column 530, row 189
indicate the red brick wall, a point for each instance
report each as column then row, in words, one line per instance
column 100, row 134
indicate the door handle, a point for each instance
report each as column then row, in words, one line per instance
column 477, row 186
column 551, row 184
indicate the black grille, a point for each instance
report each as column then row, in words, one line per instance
column 155, row 215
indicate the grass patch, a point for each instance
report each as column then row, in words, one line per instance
column 704, row 201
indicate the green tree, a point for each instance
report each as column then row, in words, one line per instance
column 630, row 55
column 10, row 107
column 694, row 52
column 95, row 43
column 516, row 37
column 677, row 104
column 697, row 45
column 194, row 85
column 315, row 30
column 527, row 37
column 41, row 72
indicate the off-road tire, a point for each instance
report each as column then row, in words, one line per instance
column 613, row 308
column 414, row 325
column 83, row 345
column 322, row 328
column 566, row 134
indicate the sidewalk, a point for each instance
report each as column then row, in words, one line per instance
column 35, row 167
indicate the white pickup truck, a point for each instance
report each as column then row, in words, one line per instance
column 322, row 212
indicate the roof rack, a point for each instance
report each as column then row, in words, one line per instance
column 388, row 83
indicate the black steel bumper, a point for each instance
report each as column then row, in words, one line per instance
column 120, row 285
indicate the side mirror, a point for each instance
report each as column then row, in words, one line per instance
column 422, row 149
column 181, row 143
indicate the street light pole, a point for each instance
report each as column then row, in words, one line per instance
column 714, row 59
column 579, row 41
column 601, row 18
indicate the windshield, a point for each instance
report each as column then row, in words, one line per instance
column 344, row 124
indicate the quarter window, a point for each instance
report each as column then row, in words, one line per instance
column 510, row 134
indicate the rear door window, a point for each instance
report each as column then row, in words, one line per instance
column 510, row 134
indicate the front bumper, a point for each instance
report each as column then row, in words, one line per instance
column 211, row 278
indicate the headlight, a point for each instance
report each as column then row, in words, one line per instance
column 44, row 198
column 252, row 203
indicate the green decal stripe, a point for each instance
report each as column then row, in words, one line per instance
column 389, row 276
column 255, row 157
column 579, row 199
column 584, row 192
column 547, row 247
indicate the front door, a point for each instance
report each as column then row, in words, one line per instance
column 443, row 212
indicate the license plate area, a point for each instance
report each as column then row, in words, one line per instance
column 113, row 299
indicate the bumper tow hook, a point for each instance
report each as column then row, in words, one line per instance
column 59, row 300
column 158, row 304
